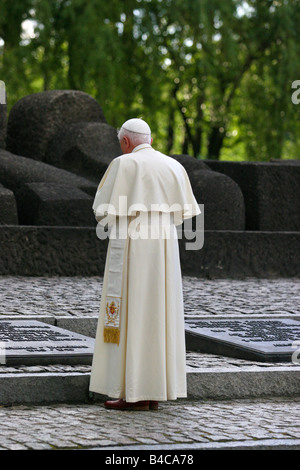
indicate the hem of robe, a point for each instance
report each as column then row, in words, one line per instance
column 140, row 397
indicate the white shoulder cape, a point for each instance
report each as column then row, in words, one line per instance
column 145, row 180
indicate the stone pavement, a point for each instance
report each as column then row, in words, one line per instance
column 182, row 426
column 79, row 296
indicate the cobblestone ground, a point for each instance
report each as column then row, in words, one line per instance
column 259, row 423
column 80, row 296
column 182, row 424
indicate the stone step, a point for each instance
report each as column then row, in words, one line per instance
column 208, row 377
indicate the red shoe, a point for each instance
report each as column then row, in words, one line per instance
column 123, row 405
column 153, row 405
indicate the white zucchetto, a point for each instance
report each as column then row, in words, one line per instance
column 137, row 125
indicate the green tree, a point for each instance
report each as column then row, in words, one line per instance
column 267, row 117
column 214, row 53
column 212, row 77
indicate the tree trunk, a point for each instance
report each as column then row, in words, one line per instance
column 215, row 143
column 171, row 122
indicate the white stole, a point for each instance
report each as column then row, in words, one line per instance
column 117, row 251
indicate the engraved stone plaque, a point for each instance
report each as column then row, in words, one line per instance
column 30, row 342
column 264, row 340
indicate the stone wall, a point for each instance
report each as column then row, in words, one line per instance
column 76, row 251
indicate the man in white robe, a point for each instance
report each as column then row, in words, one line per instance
column 139, row 356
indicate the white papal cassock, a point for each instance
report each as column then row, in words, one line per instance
column 149, row 361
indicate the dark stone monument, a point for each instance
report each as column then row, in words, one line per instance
column 16, row 170
column 262, row 340
column 84, row 148
column 222, row 197
column 30, row 342
column 190, row 163
column 271, row 191
column 8, row 212
column 54, row 204
column 34, row 119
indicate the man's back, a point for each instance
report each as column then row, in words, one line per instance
column 147, row 178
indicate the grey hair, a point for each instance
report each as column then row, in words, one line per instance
column 135, row 137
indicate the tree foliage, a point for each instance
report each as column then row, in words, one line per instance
column 212, row 77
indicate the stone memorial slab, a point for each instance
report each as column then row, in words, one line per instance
column 263, row 340
column 30, row 342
